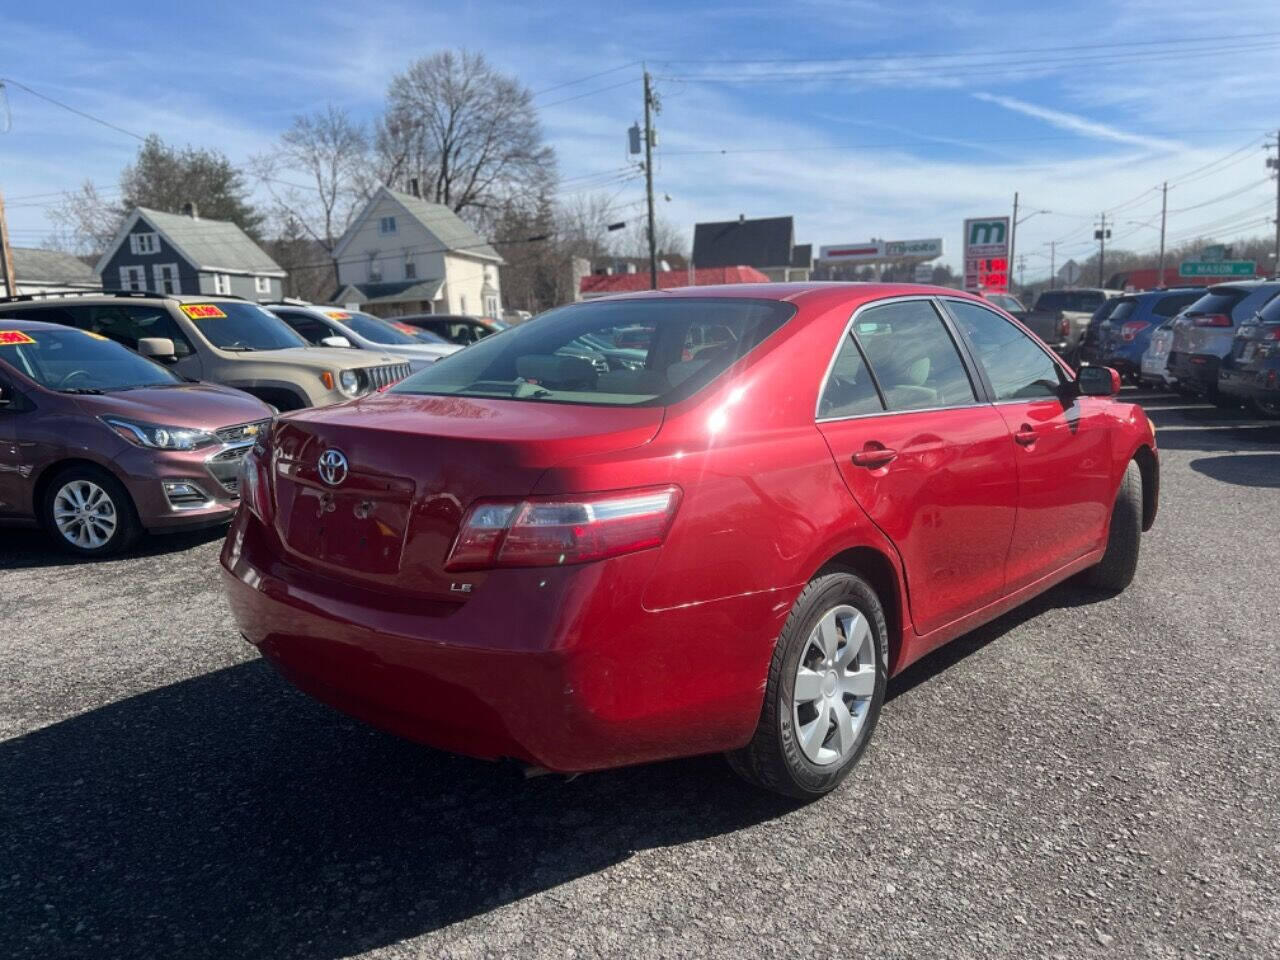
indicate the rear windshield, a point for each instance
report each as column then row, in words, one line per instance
column 1271, row 312
column 241, row 327
column 623, row 353
column 1168, row 306
column 1217, row 301
column 1076, row 301
column 1123, row 310
column 77, row 361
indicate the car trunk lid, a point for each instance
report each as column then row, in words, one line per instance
column 413, row 464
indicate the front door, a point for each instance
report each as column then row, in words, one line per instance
column 931, row 464
column 1061, row 444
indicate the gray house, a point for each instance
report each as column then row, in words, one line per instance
column 48, row 271
column 769, row 245
column 181, row 253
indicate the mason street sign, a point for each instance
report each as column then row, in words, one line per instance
column 1217, row 268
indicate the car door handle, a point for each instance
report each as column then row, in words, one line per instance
column 1025, row 435
column 876, row 456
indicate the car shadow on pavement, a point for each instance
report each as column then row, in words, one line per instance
column 229, row 816
column 1246, row 470
column 24, row 548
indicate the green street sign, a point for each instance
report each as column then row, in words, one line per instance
column 1216, row 252
column 1217, row 268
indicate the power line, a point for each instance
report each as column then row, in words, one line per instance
column 75, row 110
column 589, row 93
column 591, row 76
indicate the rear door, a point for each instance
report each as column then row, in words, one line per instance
column 1061, row 446
column 925, row 457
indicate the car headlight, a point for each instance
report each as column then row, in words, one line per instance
column 349, row 383
column 160, row 437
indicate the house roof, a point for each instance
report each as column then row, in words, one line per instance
column 211, row 245
column 802, row 256
column 31, row 265
column 769, row 242
column 451, row 230
column 599, row 285
column 390, row 292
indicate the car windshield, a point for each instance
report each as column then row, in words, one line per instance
column 77, row 361
column 376, row 329
column 241, row 326
column 1076, row 301
column 673, row 347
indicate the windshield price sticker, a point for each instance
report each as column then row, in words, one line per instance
column 202, row 311
column 11, row 338
column 338, row 315
column 96, row 336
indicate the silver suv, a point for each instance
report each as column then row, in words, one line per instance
column 221, row 340
column 333, row 326
column 1204, row 332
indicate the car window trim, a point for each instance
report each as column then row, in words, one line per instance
column 1065, row 376
column 979, row 386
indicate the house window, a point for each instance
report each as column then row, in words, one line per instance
column 375, row 270
column 490, row 306
column 387, row 225
column 462, row 306
column 262, row 284
column 142, row 244
column 410, row 270
column 133, row 278
column 165, row 276
column 222, row 284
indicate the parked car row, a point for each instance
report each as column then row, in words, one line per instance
column 130, row 411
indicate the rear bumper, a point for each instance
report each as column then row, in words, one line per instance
column 1195, row 369
column 1248, row 384
column 563, row 668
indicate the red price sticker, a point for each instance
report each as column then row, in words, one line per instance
column 202, row 311
column 11, row 338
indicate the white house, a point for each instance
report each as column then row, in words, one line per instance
column 403, row 255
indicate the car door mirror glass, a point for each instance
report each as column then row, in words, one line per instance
column 1098, row 382
column 335, row 341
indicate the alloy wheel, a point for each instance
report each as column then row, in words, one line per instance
column 834, row 683
column 85, row 514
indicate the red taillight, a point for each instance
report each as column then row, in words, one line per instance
column 1211, row 320
column 1064, row 326
column 254, row 490
column 1131, row 329
column 555, row 530
column 1272, row 333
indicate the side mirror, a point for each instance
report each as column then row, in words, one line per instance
column 335, row 341
column 1098, row 382
column 157, row 348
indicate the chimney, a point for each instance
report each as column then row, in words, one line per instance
column 742, row 218
column 413, row 188
column 189, row 209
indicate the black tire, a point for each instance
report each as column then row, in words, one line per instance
column 127, row 528
column 1120, row 561
column 774, row 759
column 1267, row 409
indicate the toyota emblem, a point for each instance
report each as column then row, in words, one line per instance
column 332, row 467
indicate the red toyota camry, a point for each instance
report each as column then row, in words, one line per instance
column 725, row 536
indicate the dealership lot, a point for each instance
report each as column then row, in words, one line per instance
column 1082, row 776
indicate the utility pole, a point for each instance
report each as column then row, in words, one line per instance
column 1273, row 163
column 650, row 107
column 1164, row 212
column 1101, row 235
column 1053, row 250
column 1013, row 229
column 1022, row 269
column 6, row 254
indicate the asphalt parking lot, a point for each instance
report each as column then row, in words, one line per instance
column 1083, row 777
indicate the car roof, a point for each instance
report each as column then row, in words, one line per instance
column 39, row 299
column 813, row 293
column 17, row 323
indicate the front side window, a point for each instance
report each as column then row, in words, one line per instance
column 77, row 361
column 914, row 358
column 1017, row 366
column 589, row 353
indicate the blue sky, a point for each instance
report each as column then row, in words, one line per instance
column 900, row 140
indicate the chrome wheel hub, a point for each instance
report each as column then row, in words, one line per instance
column 84, row 513
column 833, row 685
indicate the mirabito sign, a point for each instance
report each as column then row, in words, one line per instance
column 986, row 254
column 883, row 251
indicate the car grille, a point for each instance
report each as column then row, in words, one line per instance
column 242, row 432
column 385, row 375
column 224, row 466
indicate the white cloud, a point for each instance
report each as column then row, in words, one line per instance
column 1078, row 124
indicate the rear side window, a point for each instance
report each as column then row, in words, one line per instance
column 1018, row 367
column 914, row 358
column 1168, row 306
column 849, row 391
column 128, row 325
column 620, row 353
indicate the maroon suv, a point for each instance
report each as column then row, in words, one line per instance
column 98, row 444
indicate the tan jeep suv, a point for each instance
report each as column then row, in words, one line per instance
column 221, row 340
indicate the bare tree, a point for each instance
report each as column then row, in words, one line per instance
column 84, row 222
column 633, row 241
column 330, row 152
column 470, row 136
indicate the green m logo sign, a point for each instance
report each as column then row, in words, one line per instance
column 982, row 232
